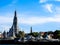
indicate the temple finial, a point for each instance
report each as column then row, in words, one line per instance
column 15, row 14
column 30, row 29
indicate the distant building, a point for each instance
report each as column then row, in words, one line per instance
column 1, row 35
column 13, row 31
column 4, row 35
column 42, row 33
column 49, row 36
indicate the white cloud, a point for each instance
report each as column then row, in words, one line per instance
column 13, row 2
column 48, row 7
column 42, row 1
column 57, row 0
column 5, row 21
column 57, row 10
column 39, row 20
column 5, row 27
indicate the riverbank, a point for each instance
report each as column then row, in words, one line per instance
column 25, row 43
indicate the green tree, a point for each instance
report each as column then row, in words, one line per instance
column 21, row 34
column 57, row 34
column 35, row 34
column 50, row 32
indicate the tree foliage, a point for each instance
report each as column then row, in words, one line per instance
column 21, row 34
column 35, row 34
column 57, row 34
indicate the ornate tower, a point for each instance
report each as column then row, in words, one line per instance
column 14, row 29
column 5, row 34
column 31, row 30
column 15, row 23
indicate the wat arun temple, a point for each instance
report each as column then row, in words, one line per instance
column 13, row 31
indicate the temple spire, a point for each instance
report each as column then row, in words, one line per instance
column 30, row 29
column 15, row 23
column 15, row 14
column 14, row 29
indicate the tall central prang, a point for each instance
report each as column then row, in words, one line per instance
column 15, row 23
column 13, row 31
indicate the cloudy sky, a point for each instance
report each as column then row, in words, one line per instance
column 42, row 15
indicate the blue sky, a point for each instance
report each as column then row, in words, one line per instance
column 42, row 15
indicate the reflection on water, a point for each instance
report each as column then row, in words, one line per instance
column 11, row 44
